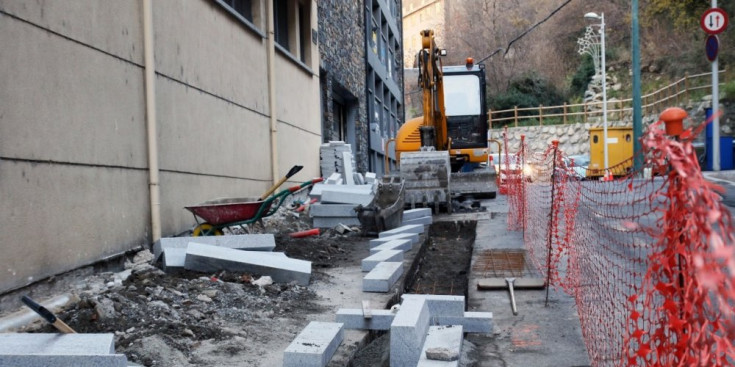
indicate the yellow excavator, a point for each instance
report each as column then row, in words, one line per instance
column 444, row 153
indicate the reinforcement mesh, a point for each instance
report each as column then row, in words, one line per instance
column 650, row 261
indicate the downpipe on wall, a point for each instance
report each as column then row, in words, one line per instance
column 150, row 105
column 271, row 44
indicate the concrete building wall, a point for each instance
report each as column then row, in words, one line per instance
column 417, row 16
column 73, row 150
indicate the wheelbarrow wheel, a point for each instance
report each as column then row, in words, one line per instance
column 206, row 229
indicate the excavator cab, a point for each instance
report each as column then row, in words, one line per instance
column 466, row 114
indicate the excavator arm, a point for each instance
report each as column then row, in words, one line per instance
column 431, row 80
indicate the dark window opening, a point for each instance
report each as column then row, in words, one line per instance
column 242, row 7
column 280, row 16
column 340, row 120
column 304, row 34
column 594, row 139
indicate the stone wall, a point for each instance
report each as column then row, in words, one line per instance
column 342, row 70
column 574, row 138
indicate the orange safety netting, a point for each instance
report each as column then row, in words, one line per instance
column 648, row 256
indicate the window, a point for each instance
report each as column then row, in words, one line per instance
column 293, row 29
column 243, row 7
column 304, row 33
column 247, row 11
column 461, row 95
column 280, row 17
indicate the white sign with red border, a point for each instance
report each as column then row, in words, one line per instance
column 714, row 21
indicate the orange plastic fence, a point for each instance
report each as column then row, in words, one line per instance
column 649, row 261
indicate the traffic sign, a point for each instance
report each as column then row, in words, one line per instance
column 714, row 21
column 712, row 47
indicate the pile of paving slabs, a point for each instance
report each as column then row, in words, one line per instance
column 342, row 190
column 251, row 253
column 332, row 157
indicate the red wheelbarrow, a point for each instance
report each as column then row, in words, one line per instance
column 230, row 212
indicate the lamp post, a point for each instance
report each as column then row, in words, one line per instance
column 601, row 17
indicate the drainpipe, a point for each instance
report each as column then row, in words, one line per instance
column 271, row 44
column 150, row 112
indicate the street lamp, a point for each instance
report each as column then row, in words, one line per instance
column 601, row 17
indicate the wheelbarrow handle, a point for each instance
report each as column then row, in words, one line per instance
column 305, row 184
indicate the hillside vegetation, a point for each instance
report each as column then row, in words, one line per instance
column 543, row 67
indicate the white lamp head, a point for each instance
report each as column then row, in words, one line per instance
column 592, row 15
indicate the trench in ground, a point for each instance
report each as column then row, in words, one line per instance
column 441, row 266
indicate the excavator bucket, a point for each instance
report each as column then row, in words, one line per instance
column 481, row 182
column 426, row 176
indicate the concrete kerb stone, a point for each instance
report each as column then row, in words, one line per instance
column 411, row 228
column 414, row 237
column 424, row 221
column 440, row 305
column 250, row 242
column 401, row 245
column 382, row 277
column 348, row 194
column 331, row 222
column 66, row 350
column 353, row 318
column 408, row 332
column 416, row 213
column 347, row 161
column 373, row 260
column 315, row 345
column 174, row 258
column 449, row 339
column 472, row 322
column 332, row 210
column 207, row 258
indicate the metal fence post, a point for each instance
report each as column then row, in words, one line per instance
column 541, row 114
column 555, row 143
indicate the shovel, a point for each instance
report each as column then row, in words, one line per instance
column 293, row 171
column 511, row 284
column 47, row 315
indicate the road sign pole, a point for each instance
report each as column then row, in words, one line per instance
column 715, row 107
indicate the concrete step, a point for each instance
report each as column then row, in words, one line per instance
column 401, row 245
column 442, row 348
column 411, row 228
column 416, row 213
column 382, row 277
column 59, row 350
column 315, row 345
column 250, row 242
column 209, row 259
column 354, row 318
column 373, row 260
column 414, row 237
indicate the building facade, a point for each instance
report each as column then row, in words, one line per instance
column 417, row 16
column 361, row 76
column 104, row 103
